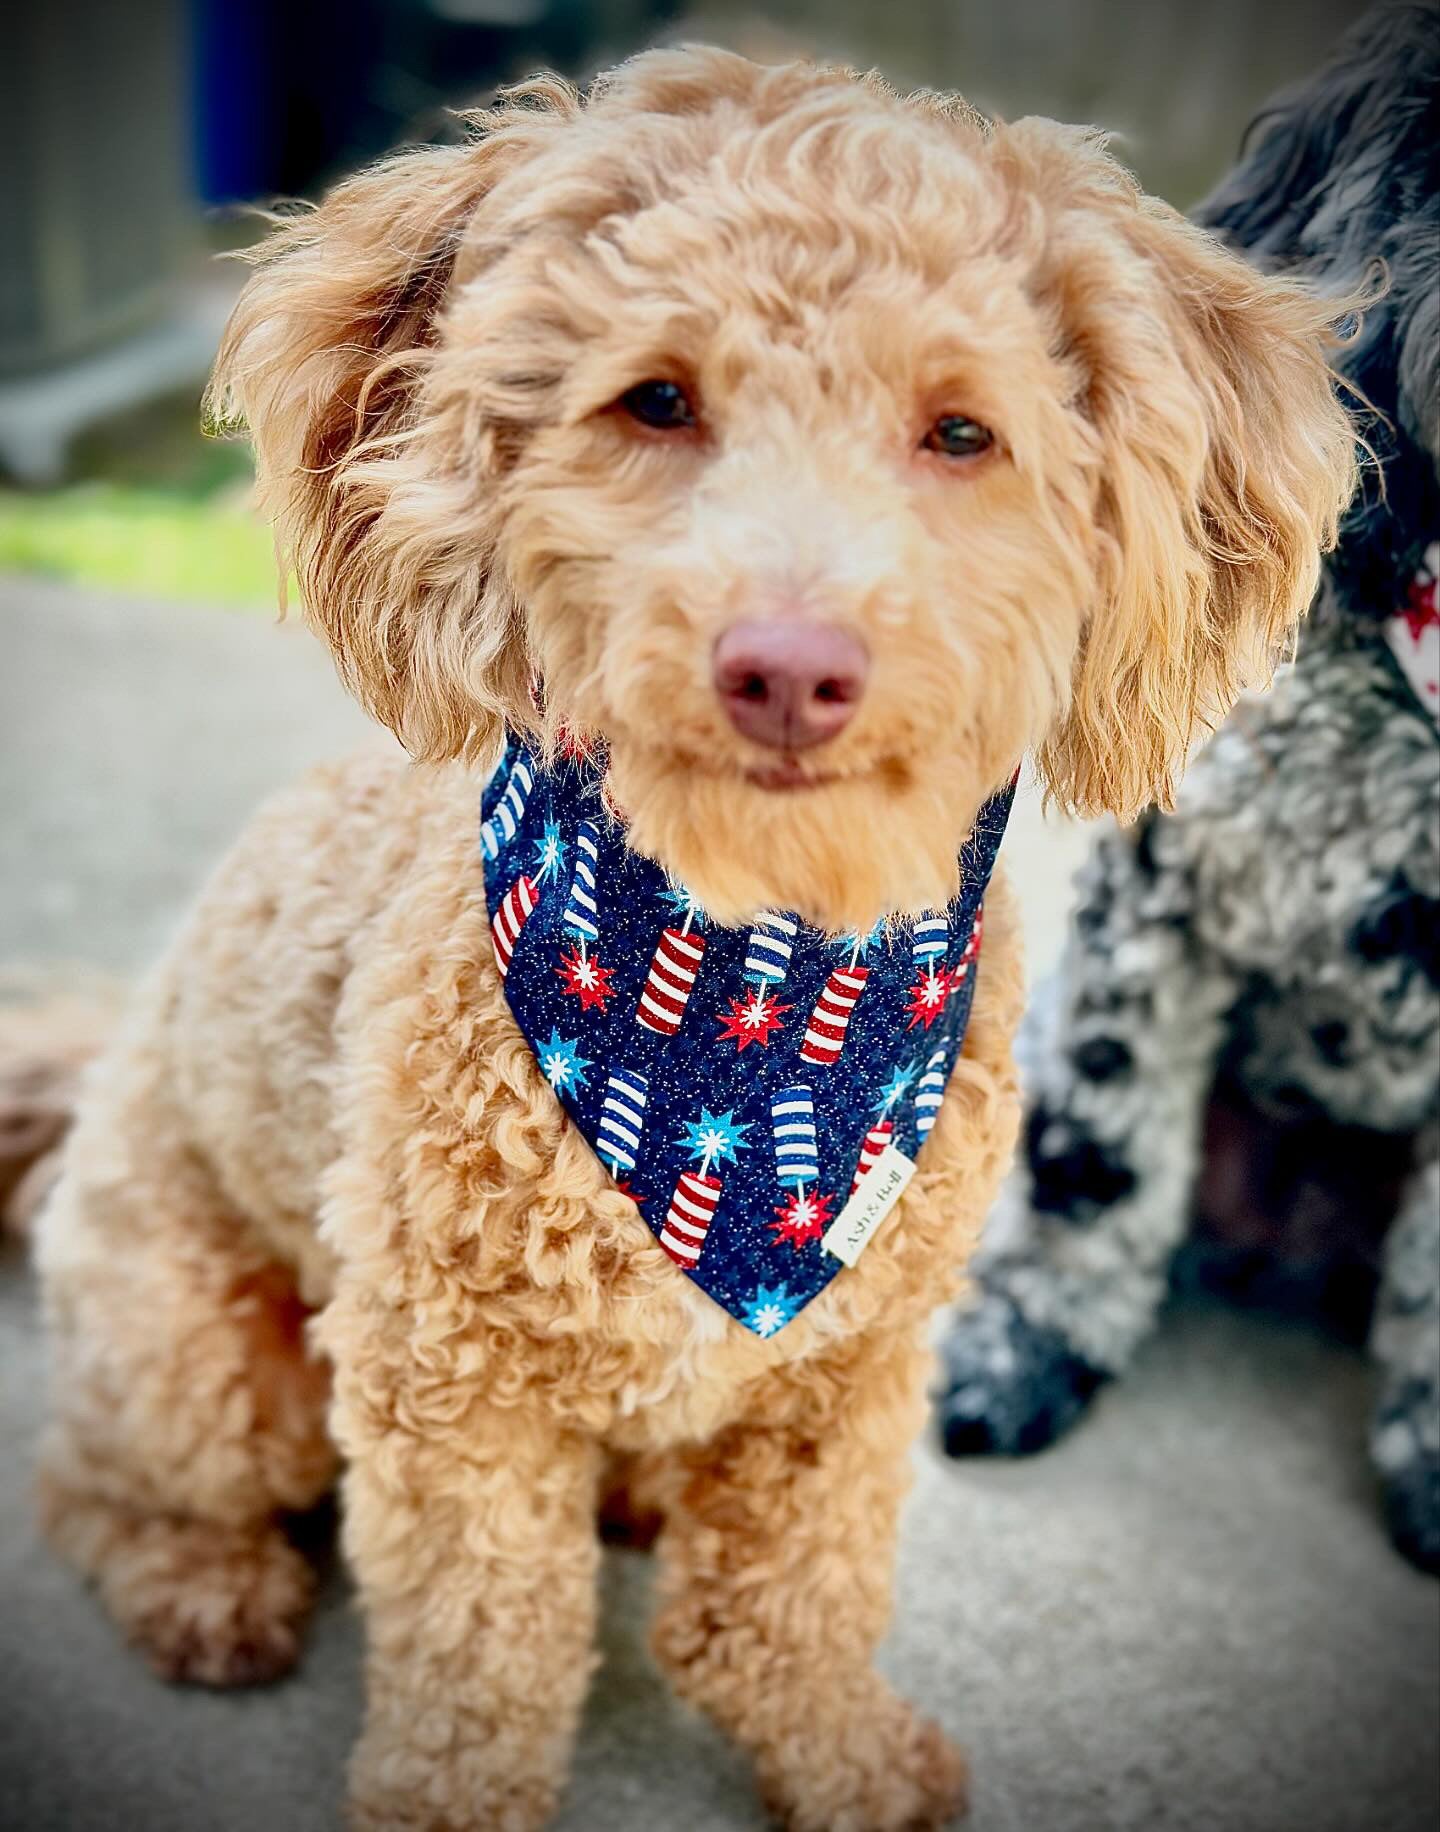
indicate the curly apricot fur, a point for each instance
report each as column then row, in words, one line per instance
column 321, row 1101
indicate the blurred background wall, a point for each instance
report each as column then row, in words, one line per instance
column 128, row 133
column 1178, row 82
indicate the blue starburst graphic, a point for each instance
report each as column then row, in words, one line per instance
column 717, row 1138
column 684, row 905
column 858, row 946
column 899, row 1081
column 562, row 1064
column 549, row 853
column 770, row 1310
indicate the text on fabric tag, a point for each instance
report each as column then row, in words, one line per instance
column 880, row 1189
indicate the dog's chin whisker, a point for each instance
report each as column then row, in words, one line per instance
column 742, row 847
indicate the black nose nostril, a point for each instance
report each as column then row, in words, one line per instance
column 831, row 692
column 754, row 687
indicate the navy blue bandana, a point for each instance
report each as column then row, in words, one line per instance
column 737, row 1083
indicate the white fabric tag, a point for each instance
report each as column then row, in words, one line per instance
column 880, row 1189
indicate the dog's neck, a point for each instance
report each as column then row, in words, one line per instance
column 761, row 1092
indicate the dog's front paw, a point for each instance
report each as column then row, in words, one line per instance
column 207, row 1605
column 1412, row 1509
column 419, row 1784
column 231, row 1616
column 413, row 1813
column 1405, row 1449
column 894, row 1772
column 1009, row 1387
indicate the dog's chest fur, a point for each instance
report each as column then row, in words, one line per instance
column 366, row 1071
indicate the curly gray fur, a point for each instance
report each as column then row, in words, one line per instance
column 1281, row 929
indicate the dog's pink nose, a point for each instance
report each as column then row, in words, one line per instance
column 789, row 683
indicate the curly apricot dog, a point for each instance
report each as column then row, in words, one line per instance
column 719, row 345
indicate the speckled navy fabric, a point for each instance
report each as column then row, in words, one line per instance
column 735, row 1082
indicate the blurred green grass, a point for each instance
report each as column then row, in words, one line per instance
column 144, row 541
column 153, row 507
column 156, row 509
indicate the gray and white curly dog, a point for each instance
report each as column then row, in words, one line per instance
column 1243, row 1038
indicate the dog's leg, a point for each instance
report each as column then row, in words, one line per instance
column 1119, row 1056
column 185, row 1411
column 470, row 1528
column 1405, row 1340
column 775, row 1590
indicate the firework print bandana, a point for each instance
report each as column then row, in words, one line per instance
column 736, row 1083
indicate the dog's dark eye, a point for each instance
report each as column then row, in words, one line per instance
column 663, row 405
column 956, row 437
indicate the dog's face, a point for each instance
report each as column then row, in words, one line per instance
column 801, row 535
column 821, row 453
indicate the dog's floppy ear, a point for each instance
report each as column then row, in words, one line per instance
column 323, row 362
column 1223, row 461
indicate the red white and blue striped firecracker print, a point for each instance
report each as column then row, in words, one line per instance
column 622, row 1119
column 670, row 981
column 767, row 953
column 581, row 910
column 825, row 1033
column 930, row 939
column 876, row 1139
column 516, row 908
column 797, row 1150
column 504, row 823
column 687, row 1221
column 971, row 948
column 929, row 1093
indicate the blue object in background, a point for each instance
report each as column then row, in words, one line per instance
column 233, row 120
column 287, row 97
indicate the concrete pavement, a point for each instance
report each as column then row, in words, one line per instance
column 1185, row 1617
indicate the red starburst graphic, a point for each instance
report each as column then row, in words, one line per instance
column 752, row 1021
column 625, row 1190
column 928, row 996
column 570, row 746
column 803, row 1218
column 586, row 979
column 1422, row 606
